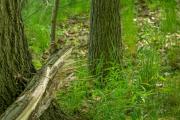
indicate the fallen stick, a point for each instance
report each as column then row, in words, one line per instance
column 38, row 94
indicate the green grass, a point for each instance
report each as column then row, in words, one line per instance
column 129, row 28
column 170, row 22
column 169, row 14
column 131, row 93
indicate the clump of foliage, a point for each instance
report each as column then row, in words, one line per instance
column 134, row 92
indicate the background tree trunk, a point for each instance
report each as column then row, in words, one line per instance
column 53, row 26
column 15, row 60
column 105, row 45
column 53, row 21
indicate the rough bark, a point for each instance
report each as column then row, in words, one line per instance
column 53, row 20
column 15, row 60
column 105, row 45
column 36, row 101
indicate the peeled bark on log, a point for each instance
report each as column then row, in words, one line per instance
column 38, row 95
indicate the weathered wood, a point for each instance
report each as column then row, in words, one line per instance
column 39, row 93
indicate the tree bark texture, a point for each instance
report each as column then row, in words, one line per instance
column 53, row 21
column 35, row 103
column 15, row 60
column 105, row 45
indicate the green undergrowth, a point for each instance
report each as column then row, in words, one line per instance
column 171, row 22
column 137, row 92
column 147, row 88
column 169, row 9
column 129, row 27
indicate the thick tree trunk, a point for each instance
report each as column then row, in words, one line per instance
column 105, row 45
column 15, row 60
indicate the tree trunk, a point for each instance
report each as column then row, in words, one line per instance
column 53, row 26
column 15, row 60
column 36, row 100
column 105, row 44
column 53, row 21
column 16, row 70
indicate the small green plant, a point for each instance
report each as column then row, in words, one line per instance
column 150, row 67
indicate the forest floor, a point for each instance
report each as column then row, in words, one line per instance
column 156, row 64
column 148, row 86
column 76, row 32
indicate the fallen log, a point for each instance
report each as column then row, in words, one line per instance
column 39, row 93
